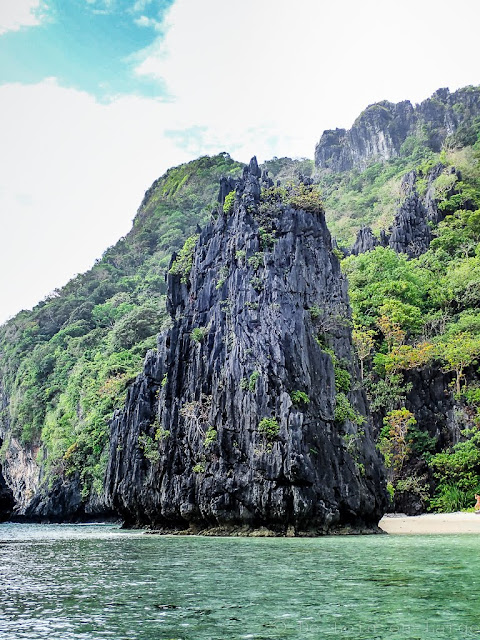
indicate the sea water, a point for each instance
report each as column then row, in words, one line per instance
column 100, row 582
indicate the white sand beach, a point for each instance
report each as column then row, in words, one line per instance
column 433, row 523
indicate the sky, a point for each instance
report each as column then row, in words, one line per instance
column 98, row 98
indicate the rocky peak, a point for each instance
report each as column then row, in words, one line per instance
column 237, row 421
column 410, row 232
column 365, row 241
column 381, row 130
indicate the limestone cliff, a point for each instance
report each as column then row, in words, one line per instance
column 24, row 492
column 236, row 420
column 381, row 130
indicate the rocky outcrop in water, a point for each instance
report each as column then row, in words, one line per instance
column 381, row 130
column 21, row 472
column 236, row 421
column 26, row 496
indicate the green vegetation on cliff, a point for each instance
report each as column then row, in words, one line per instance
column 357, row 198
column 65, row 366
column 413, row 313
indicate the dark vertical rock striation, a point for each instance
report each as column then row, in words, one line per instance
column 235, row 420
column 7, row 502
column 410, row 232
column 365, row 241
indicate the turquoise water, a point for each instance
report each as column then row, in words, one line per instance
column 98, row 582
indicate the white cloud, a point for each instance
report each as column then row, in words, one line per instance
column 72, row 175
column 144, row 21
column 248, row 70
column 15, row 14
column 246, row 77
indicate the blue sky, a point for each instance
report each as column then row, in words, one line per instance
column 90, row 46
column 98, row 98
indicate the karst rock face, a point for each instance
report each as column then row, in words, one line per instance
column 262, row 313
column 381, row 130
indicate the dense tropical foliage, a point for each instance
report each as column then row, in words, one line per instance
column 413, row 313
column 65, row 366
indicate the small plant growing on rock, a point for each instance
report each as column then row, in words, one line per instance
column 229, row 202
column 149, row 448
column 252, row 382
column 343, row 380
column 210, row 437
column 198, row 334
column 199, row 468
column 161, row 434
column 352, row 440
column 182, row 265
column 267, row 239
column 256, row 261
column 269, row 428
column 299, row 397
column 315, row 312
column 222, row 276
column 240, row 255
column 257, row 284
column 344, row 411
column 306, row 197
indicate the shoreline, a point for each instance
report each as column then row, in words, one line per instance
column 459, row 522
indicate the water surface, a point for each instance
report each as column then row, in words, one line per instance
column 98, row 582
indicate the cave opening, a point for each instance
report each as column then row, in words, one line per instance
column 7, row 502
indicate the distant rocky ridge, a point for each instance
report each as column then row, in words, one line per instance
column 380, row 132
column 232, row 425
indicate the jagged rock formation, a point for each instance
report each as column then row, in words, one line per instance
column 438, row 414
column 410, row 232
column 365, row 241
column 21, row 473
column 430, row 201
column 381, row 130
column 212, row 434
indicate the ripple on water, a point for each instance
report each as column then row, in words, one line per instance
column 93, row 583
